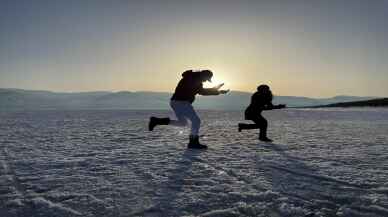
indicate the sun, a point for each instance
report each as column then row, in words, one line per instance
column 219, row 77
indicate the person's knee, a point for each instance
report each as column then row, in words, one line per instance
column 262, row 123
column 182, row 122
column 196, row 121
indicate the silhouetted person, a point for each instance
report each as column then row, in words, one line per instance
column 261, row 100
column 181, row 103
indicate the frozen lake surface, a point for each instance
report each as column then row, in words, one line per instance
column 323, row 162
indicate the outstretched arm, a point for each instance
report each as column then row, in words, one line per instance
column 213, row 91
column 280, row 106
column 209, row 91
column 270, row 106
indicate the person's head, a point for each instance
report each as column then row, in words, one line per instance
column 265, row 91
column 201, row 75
column 205, row 75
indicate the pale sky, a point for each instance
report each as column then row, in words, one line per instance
column 301, row 48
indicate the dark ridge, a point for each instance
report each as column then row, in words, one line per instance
column 380, row 102
column 19, row 99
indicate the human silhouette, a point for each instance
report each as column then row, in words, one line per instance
column 260, row 100
column 181, row 103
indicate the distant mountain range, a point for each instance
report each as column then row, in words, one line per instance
column 18, row 99
column 373, row 103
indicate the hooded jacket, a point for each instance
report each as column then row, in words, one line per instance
column 189, row 86
column 259, row 102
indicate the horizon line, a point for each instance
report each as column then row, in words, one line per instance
column 149, row 91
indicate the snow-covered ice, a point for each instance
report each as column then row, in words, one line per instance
column 324, row 162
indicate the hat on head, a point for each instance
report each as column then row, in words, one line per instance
column 207, row 74
column 262, row 87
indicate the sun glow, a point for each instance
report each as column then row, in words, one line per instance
column 219, row 77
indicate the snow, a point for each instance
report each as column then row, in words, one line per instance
column 324, row 162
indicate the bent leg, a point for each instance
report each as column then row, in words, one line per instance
column 262, row 124
column 184, row 111
column 179, row 109
column 244, row 126
column 180, row 122
column 195, row 121
column 259, row 123
column 154, row 121
column 195, row 125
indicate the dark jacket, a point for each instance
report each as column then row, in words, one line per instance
column 259, row 103
column 189, row 86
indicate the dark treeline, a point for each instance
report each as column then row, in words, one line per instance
column 382, row 102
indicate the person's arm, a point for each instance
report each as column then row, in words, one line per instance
column 269, row 106
column 208, row 91
column 280, row 106
column 212, row 91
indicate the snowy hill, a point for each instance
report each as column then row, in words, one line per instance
column 17, row 99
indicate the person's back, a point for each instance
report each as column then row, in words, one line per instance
column 187, row 87
column 259, row 102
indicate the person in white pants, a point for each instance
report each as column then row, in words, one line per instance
column 181, row 103
column 183, row 111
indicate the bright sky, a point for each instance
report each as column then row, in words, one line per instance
column 302, row 48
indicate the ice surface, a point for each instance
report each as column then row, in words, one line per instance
column 324, row 162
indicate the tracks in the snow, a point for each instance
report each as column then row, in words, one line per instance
column 10, row 173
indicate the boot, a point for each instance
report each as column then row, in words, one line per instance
column 265, row 139
column 263, row 136
column 194, row 143
column 154, row 121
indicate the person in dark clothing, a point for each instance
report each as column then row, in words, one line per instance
column 260, row 100
column 181, row 102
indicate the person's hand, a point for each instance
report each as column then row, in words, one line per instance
column 218, row 86
column 224, row 91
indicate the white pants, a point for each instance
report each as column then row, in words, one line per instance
column 183, row 111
